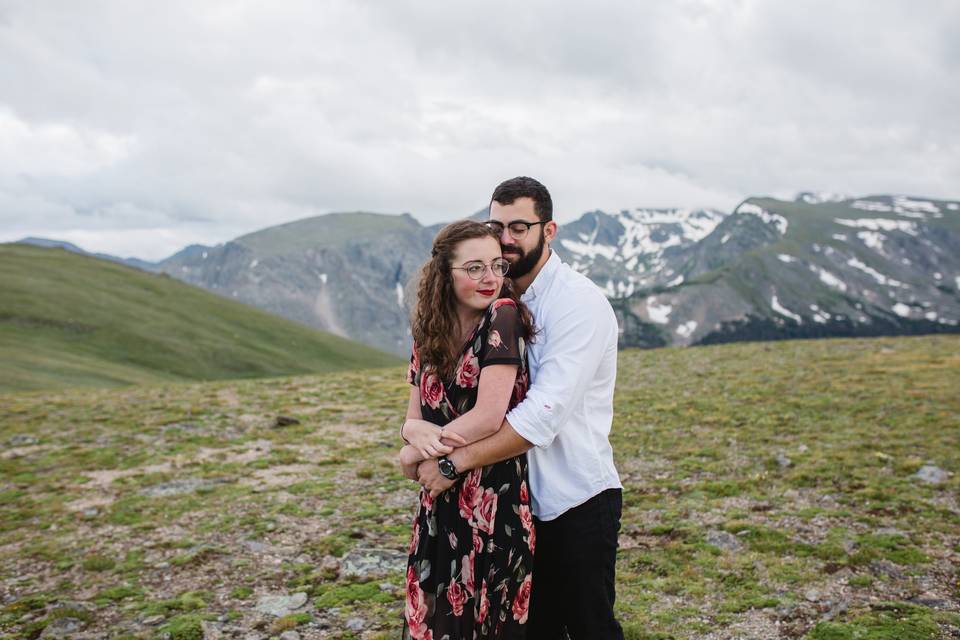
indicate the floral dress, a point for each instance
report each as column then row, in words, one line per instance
column 471, row 553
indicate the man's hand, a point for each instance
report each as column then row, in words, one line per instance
column 429, row 475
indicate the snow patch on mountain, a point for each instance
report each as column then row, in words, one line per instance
column 639, row 248
column 659, row 313
column 686, row 329
column 682, row 226
column 819, row 315
column 901, row 310
column 870, row 205
column 618, row 289
column 880, row 224
column 588, row 250
column 828, row 278
column 879, row 277
column 776, row 306
column 904, row 205
column 820, row 197
column 873, row 239
column 901, row 205
column 775, row 219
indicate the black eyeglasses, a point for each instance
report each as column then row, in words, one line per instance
column 518, row 228
column 498, row 267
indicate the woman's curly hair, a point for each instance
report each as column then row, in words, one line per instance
column 434, row 321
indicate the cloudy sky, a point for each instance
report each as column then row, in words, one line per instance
column 136, row 128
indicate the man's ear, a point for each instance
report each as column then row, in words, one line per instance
column 550, row 231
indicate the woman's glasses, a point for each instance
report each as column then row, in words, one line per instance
column 498, row 267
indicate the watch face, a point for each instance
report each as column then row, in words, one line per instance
column 447, row 470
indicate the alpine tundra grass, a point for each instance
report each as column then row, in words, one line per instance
column 772, row 490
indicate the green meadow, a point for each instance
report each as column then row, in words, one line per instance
column 804, row 489
column 72, row 320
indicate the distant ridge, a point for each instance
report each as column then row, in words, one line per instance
column 820, row 264
column 769, row 269
column 145, row 265
column 69, row 319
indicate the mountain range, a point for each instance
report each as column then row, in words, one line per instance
column 815, row 266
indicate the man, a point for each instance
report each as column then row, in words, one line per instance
column 564, row 422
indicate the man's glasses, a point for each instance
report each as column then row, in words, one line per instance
column 518, row 228
column 498, row 267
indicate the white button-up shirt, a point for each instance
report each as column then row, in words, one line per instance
column 568, row 410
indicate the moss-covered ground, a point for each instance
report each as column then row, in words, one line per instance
column 770, row 492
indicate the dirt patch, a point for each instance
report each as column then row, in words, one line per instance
column 244, row 454
column 752, row 625
column 280, row 475
column 228, row 397
column 90, row 503
column 103, row 478
column 20, row 452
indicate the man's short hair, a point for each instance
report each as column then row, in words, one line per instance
column 508, row 191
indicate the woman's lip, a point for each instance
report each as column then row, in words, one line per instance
column 486, row 292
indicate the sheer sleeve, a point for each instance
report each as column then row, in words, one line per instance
column 503, row 343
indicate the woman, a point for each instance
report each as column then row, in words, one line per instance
column 471, row 553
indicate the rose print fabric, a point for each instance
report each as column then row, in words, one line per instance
column 471, row 552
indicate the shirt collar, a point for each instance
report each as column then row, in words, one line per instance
column 544, row 277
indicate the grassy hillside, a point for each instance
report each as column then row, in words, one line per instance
column 68, row 319
column 771, row 492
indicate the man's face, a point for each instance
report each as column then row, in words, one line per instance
column 524, row 253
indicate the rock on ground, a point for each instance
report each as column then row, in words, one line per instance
column 281, row 605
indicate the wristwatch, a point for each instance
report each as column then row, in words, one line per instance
column 447, row 469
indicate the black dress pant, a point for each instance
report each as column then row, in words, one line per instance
column 574, row 571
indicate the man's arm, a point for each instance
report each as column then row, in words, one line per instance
column 578, row 339
column 504, row 444
column 493, row 396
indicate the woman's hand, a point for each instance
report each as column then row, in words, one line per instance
column 429, row 440
column 409, row 460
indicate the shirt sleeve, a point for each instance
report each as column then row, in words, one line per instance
column 576, row 340
column 504, row 342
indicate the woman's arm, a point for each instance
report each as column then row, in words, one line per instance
column 409, row 458
column 427, row 439
column 423, row 438
column 493, row 397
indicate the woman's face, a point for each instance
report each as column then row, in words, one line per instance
column 476, row 295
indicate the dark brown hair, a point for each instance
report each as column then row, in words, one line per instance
column 508, row 191
column 434, row 321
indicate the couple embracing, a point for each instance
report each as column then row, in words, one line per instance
column 507, row 430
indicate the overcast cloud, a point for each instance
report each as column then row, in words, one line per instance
column 136, row 128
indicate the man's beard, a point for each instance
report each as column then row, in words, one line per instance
column 527, row 261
